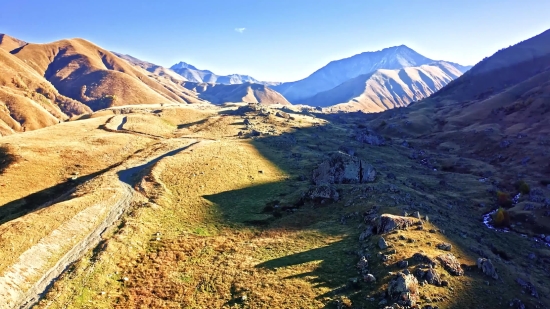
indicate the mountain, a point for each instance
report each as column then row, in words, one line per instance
column 491, row 122
column 151, row 67
column 87, row 73
column 385, row 89
column 192, row 74
column 505, row 68
column 246, row 92
column 27, row 100
column 9, row 43
column 340, row 71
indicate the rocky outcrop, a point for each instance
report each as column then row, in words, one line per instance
column 388, row 223
column 487, row 267
column 430, row 275
column 343, row 168
column 403, row 289
column 322, row 194
column 451, row 264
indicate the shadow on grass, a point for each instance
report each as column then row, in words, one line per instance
column 297, row 154
column 44, row 198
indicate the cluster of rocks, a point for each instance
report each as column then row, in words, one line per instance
column 369, row 137
column 342, row 168
column 339, row 168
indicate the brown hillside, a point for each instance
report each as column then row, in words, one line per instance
column 90, row 74
column 506, row 127
column 28, row 101
column 9, row 43
column 221, row 93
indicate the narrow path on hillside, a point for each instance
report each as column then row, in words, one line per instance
column 17, row 289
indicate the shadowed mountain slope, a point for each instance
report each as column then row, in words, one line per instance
column 28, row 101
column 9, row 43
column 92, row 75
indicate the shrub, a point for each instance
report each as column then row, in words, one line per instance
column 501, row 218
column 6, row 157
column 504, row 200
column 523, row 187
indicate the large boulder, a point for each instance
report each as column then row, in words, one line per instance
column 451, row 264
column 430, row 275
column 343, row 168
column 404, row 289
column 388, row 223
column 487, row 267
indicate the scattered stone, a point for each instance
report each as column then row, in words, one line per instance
column 404, row 289
column 282, row 115
column 255, row 133
column 444, row 246
column 403, row 264
column 369, row 278
column 416, row 214
column 423, row 258
column 432, row 231
column 322, row 193
column 433, row 277
column 487, row 267
column 382, row 244
column 528, row 287
column 343, row 168
column 366, row 233
column 363, row 265
column 451, row 264
column 444, row 283
column 370, row 138
column 247, row 122
column 388, row 223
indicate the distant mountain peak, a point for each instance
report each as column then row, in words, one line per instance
column 183, row 65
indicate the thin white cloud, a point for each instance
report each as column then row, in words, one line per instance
column 240, row 30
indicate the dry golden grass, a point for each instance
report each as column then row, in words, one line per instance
column 45, row 162
column 198, row 236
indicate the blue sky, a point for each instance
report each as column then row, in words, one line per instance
column 278, row 40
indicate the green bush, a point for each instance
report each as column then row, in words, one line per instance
column 523, row 187
column 501, row 218
column 504, row 200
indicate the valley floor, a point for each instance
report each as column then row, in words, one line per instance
column 217, row 218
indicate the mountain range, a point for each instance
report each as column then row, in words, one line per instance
column 385, row 89
column 192, row 74
column 59, row 80
column 340, row 71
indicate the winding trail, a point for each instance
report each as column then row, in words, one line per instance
column 19, row 286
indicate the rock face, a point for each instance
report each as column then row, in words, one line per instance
column 382, row 244
column 404, row 289
column 444, row 246
column 322, row 193
column 282, row 114
column 388, row 223
column 430, row 275
column 343, row 168
column 423, row 258
column 451, row 264
column 487, row 267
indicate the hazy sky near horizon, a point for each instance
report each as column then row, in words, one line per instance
column 278, row 40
